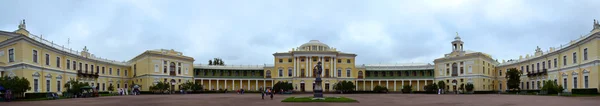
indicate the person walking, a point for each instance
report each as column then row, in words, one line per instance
column 262, row 94
column 272, row 94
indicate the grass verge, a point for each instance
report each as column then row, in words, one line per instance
column 327, row 99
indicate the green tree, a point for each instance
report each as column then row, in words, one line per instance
column 282, row 85
column 513, row 77
column 17, row 85
column 74, row 86
column 111, row 87
column 216, row 61
column 344, row 86
column 441, row 85
column 407, row 89
column 210, row 62
column 469, row 87
column 380, row 89
column 160, row 87
column 552, row 87
column 431, row 88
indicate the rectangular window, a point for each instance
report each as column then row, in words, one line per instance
column 289, row 60
column 585, row 81
column 280, row 73
column 109, row 71
column 86, row 67
column 339, row 73
column 35, row 56
column 565, row 83
column 348, row 73
column 500, row 72
column 68, row 64
column 339, row 60
column 103, row 87
column 555, row 63
column 543, row 65
column 575, row 82
column 585, row 54
column 522, row 68
column 102, row 70
column 280, row 60
column 58, row 62
column 290, row 72
column 74, row 65
column 80, row 66
column 538, row 67
column 97, row 68
column 549, row 65
column 47, row 59
column 575, row 57
column 11, row 55
column 47, row 85
column 118, row 72
column 58, row 86
column 348, row 61
column 564, row 60
column 126, row 73
column 35, row 85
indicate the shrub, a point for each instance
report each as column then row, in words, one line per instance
column 469, row 87
column 585, row 91
column 406, row 89
column 380, row 89
column 344, row 86
column 431, row 88
column 551, row 88
column 36, row 95
column 277, row 87
column 17, row 85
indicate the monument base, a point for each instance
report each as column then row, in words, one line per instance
column 318, row 91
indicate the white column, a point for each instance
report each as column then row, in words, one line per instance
column 402, row 84
column 306, row 69
column 233, row 83
column 334, row 60
column 410, row 83
column 295, row 67
column 271, row 83
column 418, row 87
column 379, row 83
column 241, row 84
column 264, row 82
column 364, row 85
column 225, row 83
column 256, row 85
column 355, row 87
column 310, row 71
column 217, row 84
column 209, row 84
column 371, row 84
column 201, row 82
column 425, row 82
column 394, row 85
column 386, row 83
column 248, row 85
column 331, row 66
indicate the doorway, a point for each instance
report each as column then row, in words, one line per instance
column 302, row 87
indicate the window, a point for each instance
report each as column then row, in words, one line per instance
column 109, row 71
column 97, row 68
column 179, row 68
column 585, row 54
column 269, row 73
column 527, row 85
column 11, row 55
column 290, row 72
column 102, row 70
column 280, row 73
column 280, row 60
column 302, row 60
column 103, row 87
column 543, row 65
column 47, row 59
column 339, row 73
column 47, row 85
column 92, row 68
column 58, row 62
column 522, row 68
column 74, row 65
column 58, row 86
column 575, row 57
column 564, row 60
column 314, row 60
column 326, row 59
column 585, row 81
column 565, row 83
column 549, row 65
column 86, row 67
column 165, row 67
column 500, row 72
column 574, row 82
column 68, row 64
column 348, row 61
column 538, row 67
column 290, row 60
column 374, row 73
column 339, row 60
column 126, row 73
column 348, row 73
column 483, row 70
column 555, row 63
column 35, row 54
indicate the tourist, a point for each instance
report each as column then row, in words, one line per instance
column 272, row 94
column 242, row 91
column 262, row 94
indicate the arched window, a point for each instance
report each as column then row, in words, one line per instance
column 414, row 73
column 454, row 69
column 360, row 74
column 339, row 73
column 280, row 72
column 268, row 74
column 172, row 67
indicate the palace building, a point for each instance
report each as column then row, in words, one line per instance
column 48, row 66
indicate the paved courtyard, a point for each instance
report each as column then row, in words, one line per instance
column 364, row 100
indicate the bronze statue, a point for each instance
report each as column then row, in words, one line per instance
column 318, row 70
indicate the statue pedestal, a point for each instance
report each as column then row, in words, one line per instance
column 318, row 91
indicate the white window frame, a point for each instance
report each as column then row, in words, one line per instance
column 58, row 61
column 280, row 72
column 47, row 59
column 35, row 58
column 348, row 73
column 586, row 74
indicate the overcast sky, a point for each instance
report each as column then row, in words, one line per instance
column 249, row 32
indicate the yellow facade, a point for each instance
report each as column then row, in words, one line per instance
column 49, row 66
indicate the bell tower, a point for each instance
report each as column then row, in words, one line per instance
column 457, row 44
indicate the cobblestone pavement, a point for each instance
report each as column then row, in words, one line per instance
column 364, row 100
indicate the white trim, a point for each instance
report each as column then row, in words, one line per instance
column 14, row 55
column 37, row 54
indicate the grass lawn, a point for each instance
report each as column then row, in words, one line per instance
column 327, row 99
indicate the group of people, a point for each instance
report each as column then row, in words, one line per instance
column 7, row 95
column 267, row 92
column 240, row 91
column 122, row 91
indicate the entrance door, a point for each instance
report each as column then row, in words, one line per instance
column 302, row 87
column 326, row 87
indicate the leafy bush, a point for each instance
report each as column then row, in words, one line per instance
column 74, row 86
column 441, row 85
column 191, row 86
column 35, row 95
column 551, row 88
column 469, row 87
column 585, row 91
column 17, row 85
column 277, row 87
column 160, row 87
column 380, row 89
column 406, row 89
column 344, row 86
column 431, row 88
